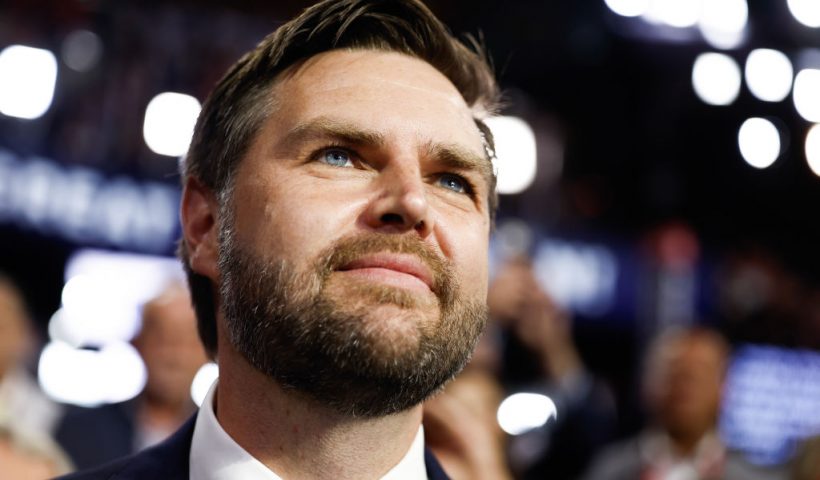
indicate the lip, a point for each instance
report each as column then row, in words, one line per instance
column 390, row 264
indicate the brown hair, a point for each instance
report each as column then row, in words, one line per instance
column 242, row 100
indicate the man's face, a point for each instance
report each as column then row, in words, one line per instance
column 14, row 335
column 354, row 265
column 170, row 348
column 686, row 383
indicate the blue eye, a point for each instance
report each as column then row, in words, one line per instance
column 336, row 157
column 454, row 183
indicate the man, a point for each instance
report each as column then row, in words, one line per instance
column 337, row 204
column 168, row 344
column 542, row 357
column 682, row 387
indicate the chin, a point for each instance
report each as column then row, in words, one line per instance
column 395, row 331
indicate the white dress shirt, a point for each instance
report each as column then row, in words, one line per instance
column 216, row 456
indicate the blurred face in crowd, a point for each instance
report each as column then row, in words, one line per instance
column 170, row 347
column 353, row 260
column 15, row 336
column 684, row 383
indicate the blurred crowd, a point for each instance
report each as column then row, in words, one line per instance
column 40, row 438
column 529, row 346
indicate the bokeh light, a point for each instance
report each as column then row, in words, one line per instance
column 628, row 8
column 89, row 360
column 96, row 310
column 203, row 380
column 759, row 142
column 769, row 74
column 104, row 292
column 81, row 50
column 813, row 149
column 516, row 157
column 723, row 22
column 522, row 412
column 716, row 78
column 806, row 12
column 169, row 123
column 27, row 79
column 806, row 94
column 114, row 373
column 675, row 13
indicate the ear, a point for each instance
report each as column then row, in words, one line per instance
column 198, row 214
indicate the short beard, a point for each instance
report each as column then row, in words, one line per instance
column 285, row 323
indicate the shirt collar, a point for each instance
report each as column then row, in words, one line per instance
column 217, row 456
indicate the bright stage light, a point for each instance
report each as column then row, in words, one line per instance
column 722, row 22
column 95, row 311
column 759, row 142
column 104, row 292
column 522, row 412
column 515, row 151
column 88, row 378
column 675, row 13
column 204, row 378
column 628, row 8
column 769, row 74
column 169, row 123
column 716, row 78
column 27, row 79
column 813, row 149
column 806, row 12
column 806, row 94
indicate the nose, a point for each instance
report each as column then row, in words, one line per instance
column 401, row 204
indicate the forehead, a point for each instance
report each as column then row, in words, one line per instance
column 694, row 350
column 387, row 91
column 11, row 306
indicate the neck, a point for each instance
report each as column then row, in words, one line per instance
column 685, row 443
column 297, row 438
column 160, row 413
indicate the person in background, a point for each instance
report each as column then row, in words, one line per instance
column 552, row 366
column 806, row 463
column 683, row 383
column 170, row 348
column 27, row 416
column 23, row 406
column 27, row 456
column 460, row 427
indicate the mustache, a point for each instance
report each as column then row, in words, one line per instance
column 348, row 249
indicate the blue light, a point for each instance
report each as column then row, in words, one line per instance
column 771, row 402
column 81, row 205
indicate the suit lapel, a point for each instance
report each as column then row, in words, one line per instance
column 434, row 470
column 168, row 460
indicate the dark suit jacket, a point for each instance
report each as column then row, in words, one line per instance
column 94, row 436
column 169, row 461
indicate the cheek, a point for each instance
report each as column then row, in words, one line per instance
column 295, row 220
column 466, row 244
column 475, row 278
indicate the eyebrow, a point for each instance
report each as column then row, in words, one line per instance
column 325, row 127
column 448, row 155
column 459, row 158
